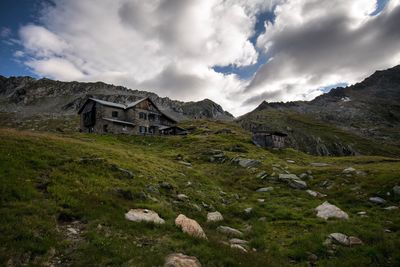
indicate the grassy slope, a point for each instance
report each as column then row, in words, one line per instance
column 44, row 186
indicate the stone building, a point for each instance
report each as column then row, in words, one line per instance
column 269, row 139
column 140, row 117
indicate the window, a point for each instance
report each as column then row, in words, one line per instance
column 114, row 114
column 152, row 117
column 142, row 129
column 143, row 116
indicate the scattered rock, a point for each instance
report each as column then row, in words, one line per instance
column 345, row 240
column 214, row 216
column 377, row 200
column 182, row 197
column 290, row 161
column 143, row 215
column 285, row 176
column 355, row 241
column 246, row 163
column 349, row 170
column 248, row 210
column 166, row 185
column 262, row 175
column 327, row 210
column 261, row 200
column 297, row 184
column 362, row 213
column 391, row 208
column 238, row 241
column 181, row 260
column 72, row 231
column 190, row 226
column 229, row 231
column 125, row 173
column 315, row 193
column 265, row 189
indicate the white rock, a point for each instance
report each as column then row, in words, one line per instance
column 190, row 226
column 340, row 238
column 214, row 216
column 182, row 197
column 265, row 189
column 143, row 215
column 181, row 260
column 391, row 208
column 229, row 231
column 315, row 193
column 238, row 241
column 327, row 210
column 248, row 210
column 349, row 170
column 319, row 164
column 261, row 200
column 377, row 200
column 239, row 247
column 284, row 176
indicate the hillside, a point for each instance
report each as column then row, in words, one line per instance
column 64, row 196
column 368, row 111
column 27, row 97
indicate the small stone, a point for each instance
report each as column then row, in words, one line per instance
column 354, row 241
column 248, row 210
column 181, row 260
column 238, row 241
column 239, row 247
column 261, row 200
column 182, row 197
column 166, row 185
column 377, row 200
column 315, row 193
column 340, row 238
column 303, row 175
column 187, row 164
column 391, row 208
column 362, row 213
column 290, row 161
column 349, row 170
column 319, row 164
column 246, row 163
column 262, row 175
column 72, row 230
column 214, row 216
column 297, row 184
column 285, row 176
column 143, row 215
column 265, row 189
column 327, row 210
column 396, row 190
column 229, row 231
column 190, row 226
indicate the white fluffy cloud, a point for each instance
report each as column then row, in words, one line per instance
column 171, row 46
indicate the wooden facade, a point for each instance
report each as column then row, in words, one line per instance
column 269, row 139
column 141, row 117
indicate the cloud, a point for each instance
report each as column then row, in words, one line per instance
column 5, row 32
column 317, row 43
column 171, row 46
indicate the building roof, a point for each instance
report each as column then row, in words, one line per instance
column 122, row 106
column 119, row 121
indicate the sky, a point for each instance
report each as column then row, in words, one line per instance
column 237, row 53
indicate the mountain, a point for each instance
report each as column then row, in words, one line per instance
column 26, row 96
column 368, row 111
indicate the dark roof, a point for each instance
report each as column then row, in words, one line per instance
column 122, row 106
column 119, row 121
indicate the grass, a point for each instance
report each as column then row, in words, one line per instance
column 45, row 187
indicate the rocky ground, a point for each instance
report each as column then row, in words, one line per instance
column 211, row 198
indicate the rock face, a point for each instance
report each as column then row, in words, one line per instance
column 26, row 95
column 181, row 260
column 143, row 215
column 327, row 210
column 189, row 226
column 214, row 216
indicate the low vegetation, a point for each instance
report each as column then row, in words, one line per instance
column 63, row 196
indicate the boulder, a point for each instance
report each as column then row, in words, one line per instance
column 265, row 189
column 229, row 231
column 214, row 216
column 345, row 240
column 181, row 260
column 189, row 226
column 327, row 210
column 143, row 215
column 377, row 200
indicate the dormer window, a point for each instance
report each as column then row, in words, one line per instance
column 114, row 114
